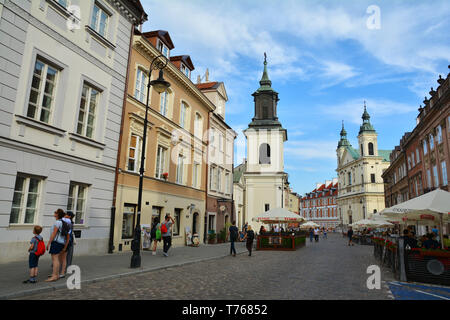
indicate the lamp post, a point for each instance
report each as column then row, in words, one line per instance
column 160, row 85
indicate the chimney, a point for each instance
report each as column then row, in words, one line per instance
column 207, row 75
column 199, row 79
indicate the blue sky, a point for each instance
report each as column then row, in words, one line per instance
column 323, row 60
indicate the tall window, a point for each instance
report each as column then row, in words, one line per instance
column 431, row 141
column 264, row 154
column 198, row 126
column 99, row 20
column 42, row 94
column 25, row 200
column 413, row 162
column 439, row 134
column 77, row 201
column 417, row 155
column 435, row 176
column 349, row 178
column 372, row 178
column 371, row 153
column 129, row 211
column 444, row 173
column 164, row 103
column 88, row 106
column 176, row 225
column 219, row 179
column 425, row 147
column 180, row 169
column 134, row 152
column 183, row 115
column 186, row 71
column 429, row 178
column 160, row 162
column 140, row 92
column 362, row 151
column 211, row 178
column 195, row 175
column 227, row 183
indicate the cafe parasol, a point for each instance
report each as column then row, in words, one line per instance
column 309, row 224
column 279, row 215
column 432, row 206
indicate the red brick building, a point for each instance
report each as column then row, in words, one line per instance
column 320, row 205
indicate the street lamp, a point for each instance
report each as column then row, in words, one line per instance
column 160, row 85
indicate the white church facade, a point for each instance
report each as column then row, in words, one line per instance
column 264, row 177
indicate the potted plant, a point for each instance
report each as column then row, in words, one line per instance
column 165, row 175
column 212, row 237
column 222, row 236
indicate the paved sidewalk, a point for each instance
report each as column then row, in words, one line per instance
column 108, row 266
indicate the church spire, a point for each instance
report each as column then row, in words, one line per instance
column 366, row 125
column 265, row 83
column 343, row 142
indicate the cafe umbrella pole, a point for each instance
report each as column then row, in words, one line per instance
column 160, row 85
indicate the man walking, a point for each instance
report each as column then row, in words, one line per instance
column 350, row 236
column 233, row 236
column 316, row 234
column 167, row 234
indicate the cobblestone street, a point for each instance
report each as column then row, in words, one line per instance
column 325, row 270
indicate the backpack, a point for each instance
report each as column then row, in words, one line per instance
column 65, row 229
column 40, row 247
column 158, row 234
column 163, row 228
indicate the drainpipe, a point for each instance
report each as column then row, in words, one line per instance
column 205, row 236
column 113, row 208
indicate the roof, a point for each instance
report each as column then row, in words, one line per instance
column 385, row 154
column 208, row 85
column 238, row 171
column 161, row 34
column 186, row 59
column 353, row 152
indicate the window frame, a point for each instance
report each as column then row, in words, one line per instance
column 75, row 200
column 97, row 16
column 160, row 161
column 138, row 148
column 141, row 84
column 24, row 199
column 87, row 110
column 444, row 173
column 180, row 169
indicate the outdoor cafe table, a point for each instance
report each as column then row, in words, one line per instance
column 284, row 241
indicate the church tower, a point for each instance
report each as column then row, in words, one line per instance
column 367, row 138
column 265, row 177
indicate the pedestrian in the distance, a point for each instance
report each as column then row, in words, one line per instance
column 350, row 236
column 167, row 234
column 311, row 234
column 324, row 233
column 155, row 234
column 250, row 237
column 316, row 234
column 36, row 249
column 233, row 236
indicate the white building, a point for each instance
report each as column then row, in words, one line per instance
column 61, row 97
column 264, row 177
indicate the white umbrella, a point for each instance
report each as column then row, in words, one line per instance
column 279, row 215
column 432, row 206
column 309, row 224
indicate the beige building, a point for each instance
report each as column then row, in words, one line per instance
column 175, row 176
column 239, row 194
column 361, row 187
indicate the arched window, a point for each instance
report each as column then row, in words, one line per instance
column 371, row 149
column 264, row 154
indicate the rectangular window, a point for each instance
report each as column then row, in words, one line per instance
column 211, row 178
column 439, row 134
column 417, row 155
column 26, row 200
column 413, row 161
column 372, row 177
column 183, row 114
column 42, row 94
column 163, row 48
column 221, row 142
column 266, row 207
column 160, row 162
column 195, row 175
column 198, row 126
column 425, row 148
column 141, row 83
column 86, row 115
column 134, row 152
column 176, row 225
column 444, row 173
column 435, row 176
column 99, row 20
column 186, row 71
column 212, row 223
column 77, row 201
column 180, row 169
column 409, row 162
column 429, row 178
column 219, row 180
column 129, row 211
column 431, row 138
column 164, row 102
column 227, row 183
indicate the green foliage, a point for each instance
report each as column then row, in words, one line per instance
column 223, row 234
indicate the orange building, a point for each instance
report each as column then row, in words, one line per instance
column 175, row 175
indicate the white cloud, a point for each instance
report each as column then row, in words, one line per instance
column 311, row 149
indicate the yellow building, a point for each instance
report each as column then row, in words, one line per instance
column 361, row 188
column 175, row 170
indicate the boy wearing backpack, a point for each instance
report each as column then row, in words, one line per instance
column 167, row 234
column 36, row 249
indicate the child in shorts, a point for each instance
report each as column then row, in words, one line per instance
column 33, row 259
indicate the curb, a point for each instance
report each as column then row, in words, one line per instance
column 30, row 292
